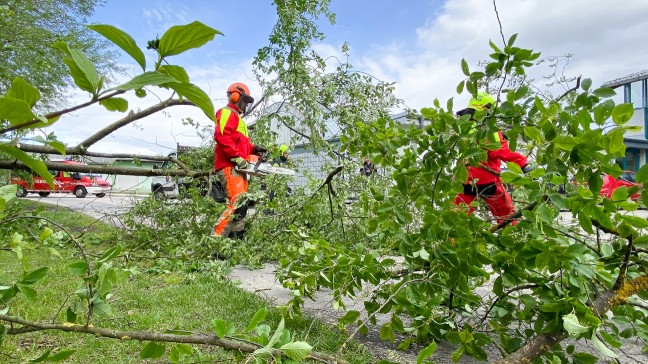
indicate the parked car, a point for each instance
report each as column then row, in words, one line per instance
column 64, row 182
column 610, row 184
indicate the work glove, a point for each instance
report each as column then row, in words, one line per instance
column 259, row 150
column 240, row 162
column 527, row 168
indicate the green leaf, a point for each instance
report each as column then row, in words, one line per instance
column 386, row 332
column 181, row 38
column 122, row 40
column 622, row 113
column 603, row 111
column 573, row 326
column 70, row 315
column 585, row 222
column 277, row 334
column 642, row 174
column 511, row 40
column 258, row 317
column 145, row 79
column 152, row 350
column 565, row 142
column 584, row 358
column 101, row 308
column 42, row 357
column 23, row 90
column 533, row 133
column 514, row 167
column 115, row 104
column 223, row 328
column 595, row 182
column 464, row 67
column 60, row 147
column 460, row 87
column 586, row 84
column 15, row 111
column 263, row 330
column 8, row 192
column 636, row 221
column 82, row 70
column 34, row 164
column 426, row 353
column 178, row 351
column 604, row 92
column 34, row 276
column 79, row 268
column 298, row 350
column 457, row 354
column 110, row 254
column 349, row 318
column 602, row 348
column 61, row 355
column 30, row 293
column 540, row 106
column 176, row 72
column 641, row 242
column 197, row 96
column 614, row 141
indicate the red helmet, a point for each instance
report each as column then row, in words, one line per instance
column 238, row 90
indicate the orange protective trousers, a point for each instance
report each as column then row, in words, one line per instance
column 235, row 185
column 499, row 202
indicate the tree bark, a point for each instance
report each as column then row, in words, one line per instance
column 204, row 339
column 538, row 345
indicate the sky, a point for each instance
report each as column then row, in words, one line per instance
column 417, row 44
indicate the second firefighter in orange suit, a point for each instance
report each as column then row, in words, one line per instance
column 233, row 148
column 482, row 182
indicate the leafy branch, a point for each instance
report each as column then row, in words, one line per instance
column 229, row 343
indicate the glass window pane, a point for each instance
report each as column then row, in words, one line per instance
column 636, row 94
column 619, row 97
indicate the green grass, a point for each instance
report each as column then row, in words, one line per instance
column 140, row 302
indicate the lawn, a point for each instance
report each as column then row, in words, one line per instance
column 140, row 301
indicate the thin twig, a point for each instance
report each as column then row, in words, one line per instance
column 578, row 81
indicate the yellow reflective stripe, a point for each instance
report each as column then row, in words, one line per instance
column 242, row 128
column 225, row 114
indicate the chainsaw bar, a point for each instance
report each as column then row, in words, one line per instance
column 265, row 169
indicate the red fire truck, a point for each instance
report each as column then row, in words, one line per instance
column 64, row 182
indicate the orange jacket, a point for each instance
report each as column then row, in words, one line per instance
column 231, row 136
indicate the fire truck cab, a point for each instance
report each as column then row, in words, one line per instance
column 80, row 184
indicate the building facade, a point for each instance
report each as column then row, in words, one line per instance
column 633, row 89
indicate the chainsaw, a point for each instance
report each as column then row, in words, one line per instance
column 260, row 167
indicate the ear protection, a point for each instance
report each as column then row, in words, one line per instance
column 234, row 97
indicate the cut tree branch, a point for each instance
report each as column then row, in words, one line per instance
column 88, row 168
column 203, row 339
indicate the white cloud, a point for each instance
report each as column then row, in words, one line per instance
column 606, row 38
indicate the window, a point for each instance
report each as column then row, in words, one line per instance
column 636, row 94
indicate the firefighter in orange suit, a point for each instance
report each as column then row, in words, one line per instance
column 233, row 147
column 483, row 180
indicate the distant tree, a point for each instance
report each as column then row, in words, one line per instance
column 28, row 28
